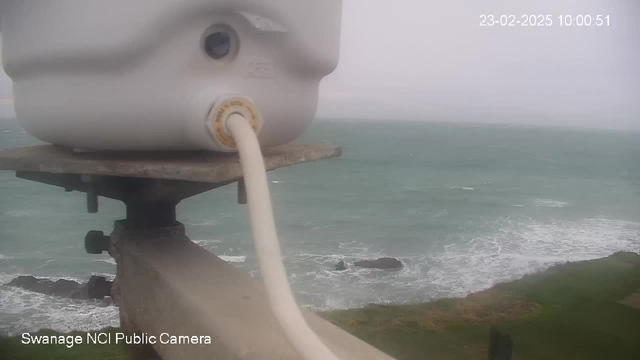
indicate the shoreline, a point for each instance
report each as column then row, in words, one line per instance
column 578, row 309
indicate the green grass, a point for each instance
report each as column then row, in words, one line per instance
column 570, row 311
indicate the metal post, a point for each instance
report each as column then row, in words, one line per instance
column 164, row 282
column 500, row 345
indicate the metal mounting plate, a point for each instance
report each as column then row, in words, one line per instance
column 199, row 166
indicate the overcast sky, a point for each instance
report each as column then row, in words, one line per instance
column 430, row 60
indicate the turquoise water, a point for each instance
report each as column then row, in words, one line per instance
column 463, row 206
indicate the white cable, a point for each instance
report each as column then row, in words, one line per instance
column 263, row 227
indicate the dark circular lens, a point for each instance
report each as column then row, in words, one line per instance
column 218, row 45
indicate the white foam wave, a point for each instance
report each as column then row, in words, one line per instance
column 319, row 287
column 205, row 222
column 517, row 205
column 438, row 214
column 207, row 243
column 6, row 278
column 46, row 263
column 20, row 213
column 277, row 181
column 26, row 311
column 463, row 188
column 512, row 249
column 549, row 203
column 517, row 248
column 233, row 258
column 108, row 261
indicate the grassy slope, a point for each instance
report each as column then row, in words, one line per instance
column 570, row 311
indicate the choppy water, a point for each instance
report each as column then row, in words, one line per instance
column 463, row 206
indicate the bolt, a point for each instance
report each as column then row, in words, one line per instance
column 92, row 194
column 98, row 287
column 92, row 200
column 95, row 242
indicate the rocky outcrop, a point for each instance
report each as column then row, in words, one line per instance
column 97, row 288
column 62, row 287
column 381, row 263
column 341, row 266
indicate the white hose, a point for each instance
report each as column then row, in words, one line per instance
column 283, row 304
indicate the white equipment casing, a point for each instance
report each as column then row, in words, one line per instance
column 136, row 75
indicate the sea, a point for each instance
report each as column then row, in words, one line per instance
column 463, row 206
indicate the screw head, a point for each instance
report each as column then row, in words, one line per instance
column 98, row 287
column 96, row 242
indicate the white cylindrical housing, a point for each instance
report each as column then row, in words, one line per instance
column 144, row 74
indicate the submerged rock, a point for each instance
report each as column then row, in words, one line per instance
column 341, row 266
column 381, row 263
column 62, row 288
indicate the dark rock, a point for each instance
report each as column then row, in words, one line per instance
column 82, row 293
column 381, row 263
column 341, row 266
column 62, row 287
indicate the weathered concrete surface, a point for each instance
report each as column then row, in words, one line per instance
column 167, row 283
column 197, row 166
